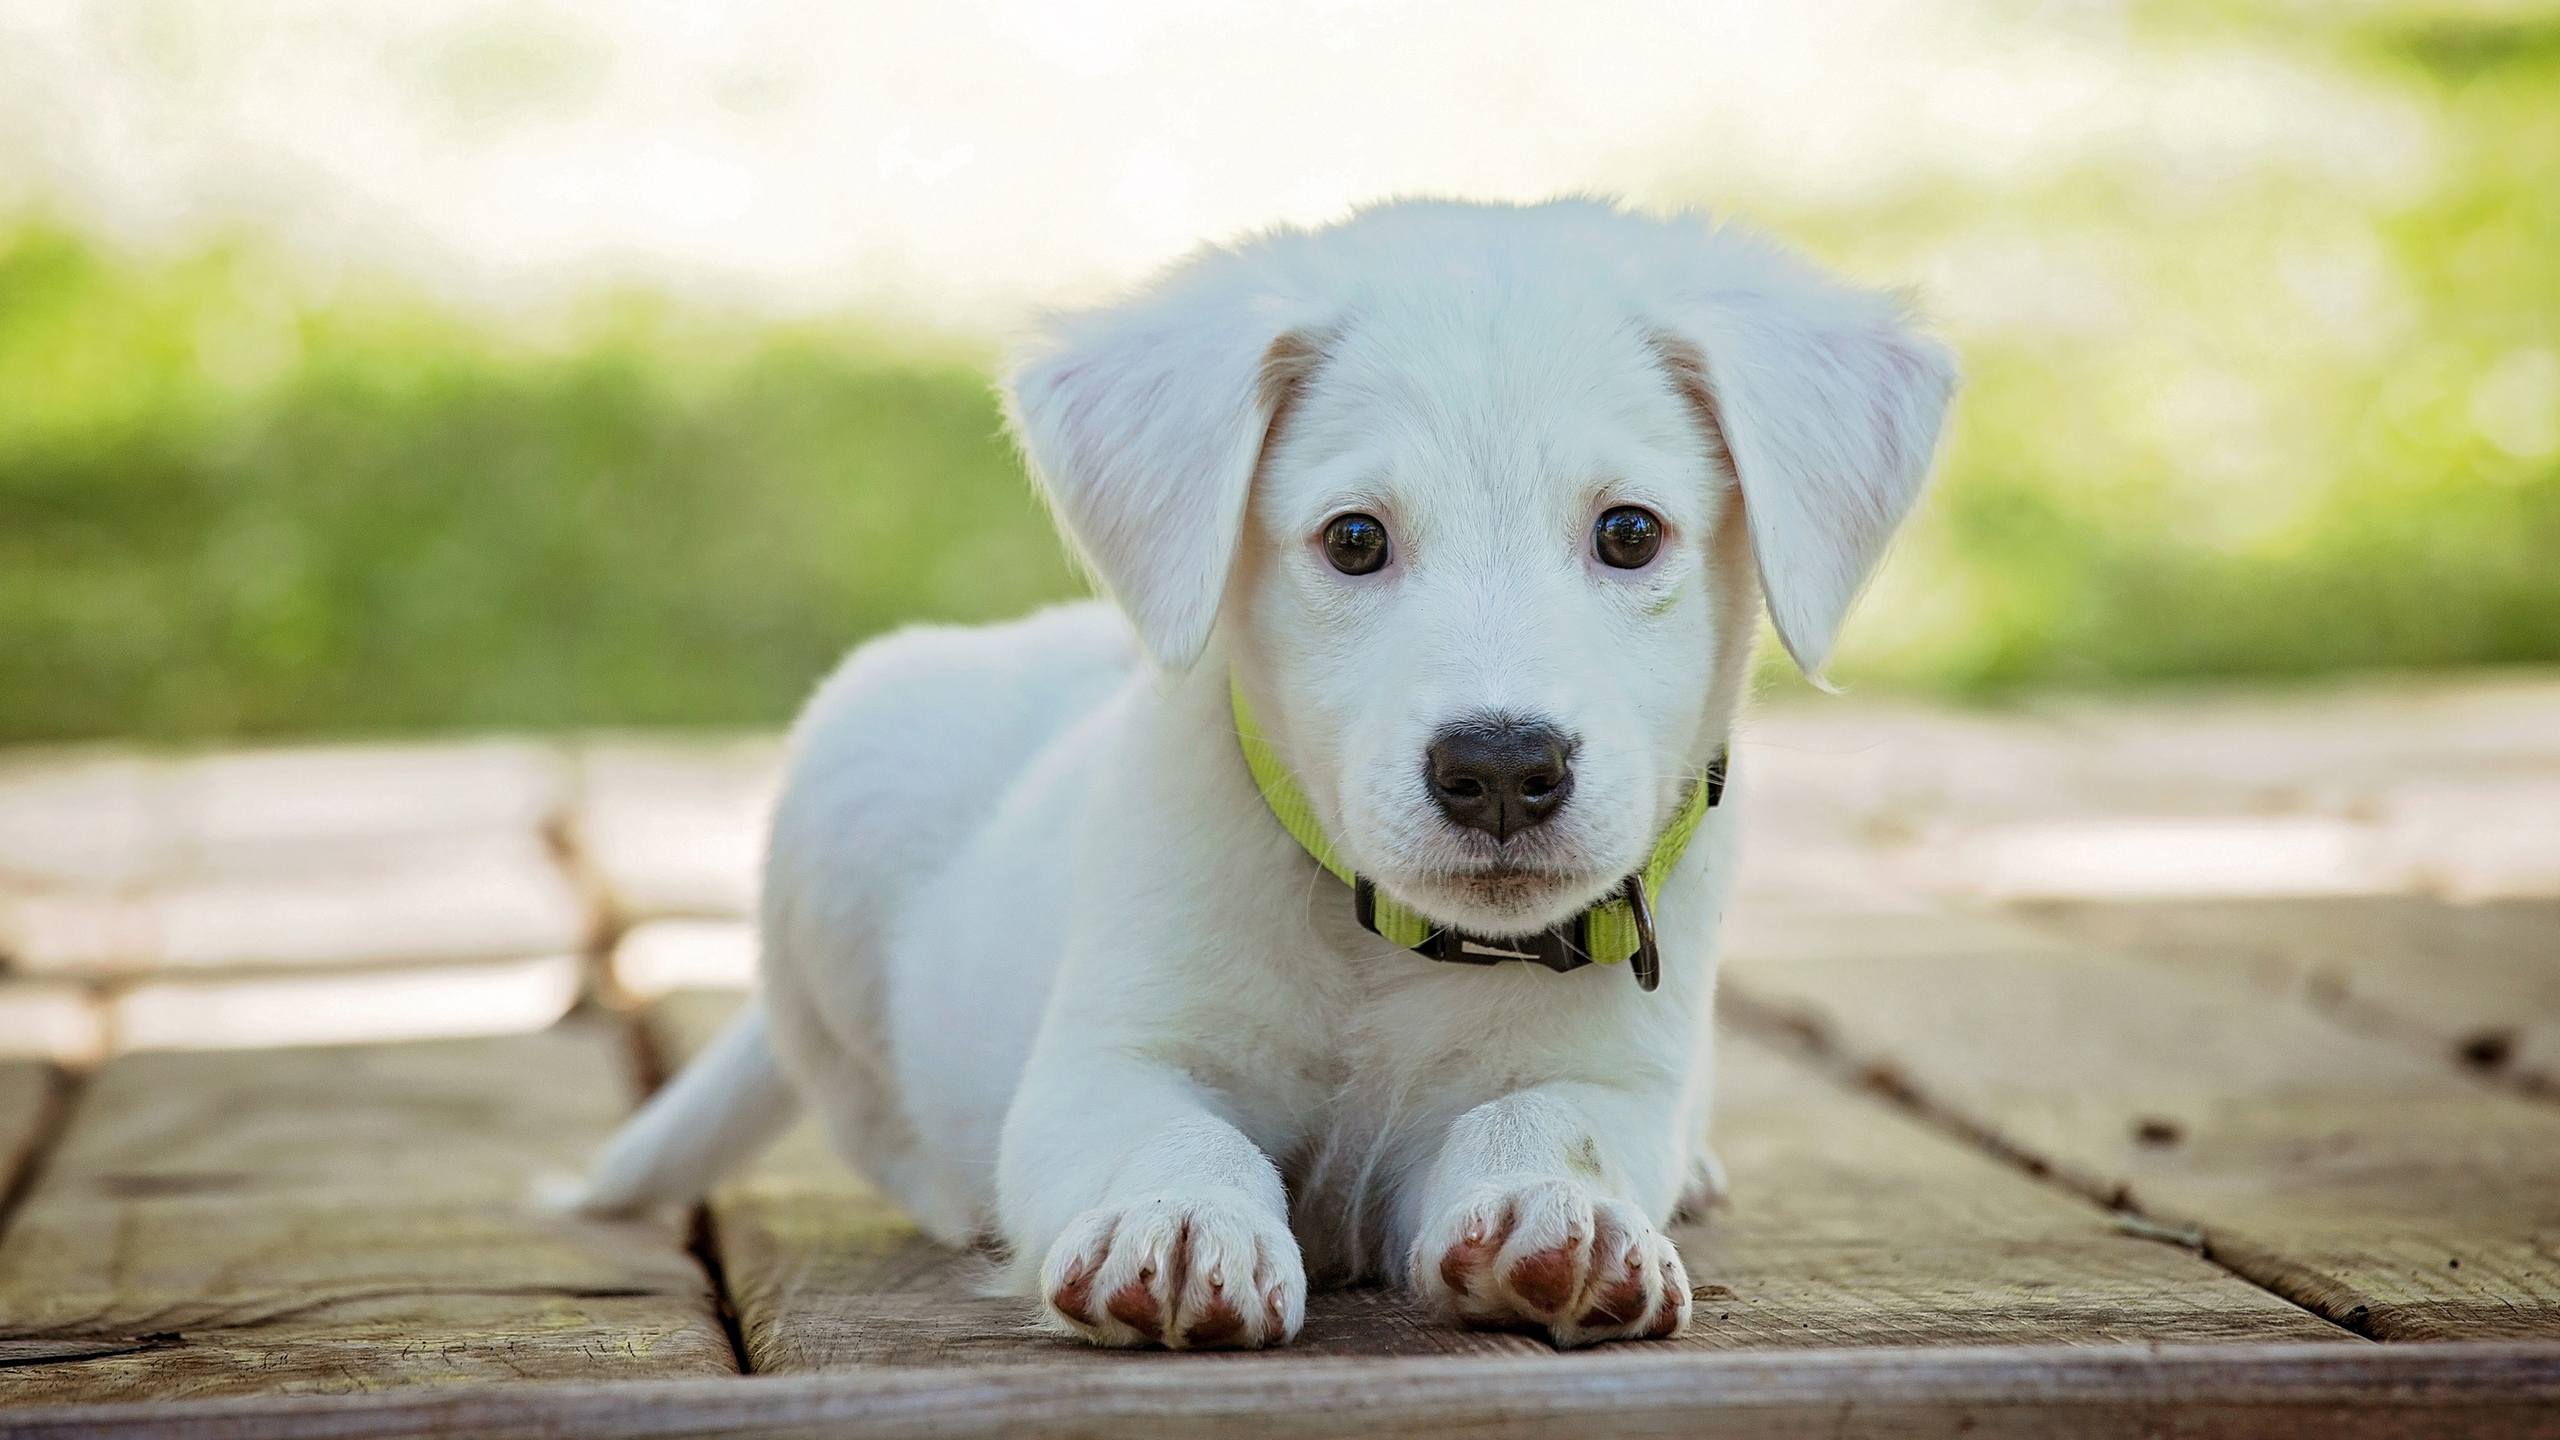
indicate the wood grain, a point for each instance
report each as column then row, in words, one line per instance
column 2478, row 984
column 339, row 1219
column 2365, row 1180
column 1851, row 1225
column 2263, row 1392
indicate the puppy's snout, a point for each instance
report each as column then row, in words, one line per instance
column 1499, row 775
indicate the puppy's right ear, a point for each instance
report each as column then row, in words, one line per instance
column 1827, row 402
column 1144, row 423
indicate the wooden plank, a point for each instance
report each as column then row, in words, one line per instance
column 118, row 866
column 283, row 808
column 82, row 816
column 28, row 1093
column 1851, row 1224
column 1775, row 932
column 108, row 820
column 2367, row 1182
column 490, row 895
column 2262, row 1392
column 660, row 957
column 2481, row 836
column 412, row 1002
column 2478, row 984
column 2439, row 787
column 339, row 1219
column 2118, row 856
column 675, row 830
column 2332, row 746
column 51, row 1020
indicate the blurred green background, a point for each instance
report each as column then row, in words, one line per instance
column 2281, row 424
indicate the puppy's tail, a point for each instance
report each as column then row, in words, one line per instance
column 718, row 1113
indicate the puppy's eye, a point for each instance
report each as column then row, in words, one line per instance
column 1627, row 537
column 1356, row 544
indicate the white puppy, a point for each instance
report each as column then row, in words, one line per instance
column 1464, row 513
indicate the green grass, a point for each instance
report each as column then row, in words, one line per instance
column 218, row 518
column 2305, row 431
column 2298, row 431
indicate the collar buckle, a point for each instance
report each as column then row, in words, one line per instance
column 1561, row 948
column 1564, row 948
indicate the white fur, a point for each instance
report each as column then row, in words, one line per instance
column 1052, row 975
column 727, row 1105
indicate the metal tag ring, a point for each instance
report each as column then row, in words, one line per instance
column 1647, row 961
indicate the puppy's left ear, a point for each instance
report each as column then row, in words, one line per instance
column 1828, row 403
column 1144, row 423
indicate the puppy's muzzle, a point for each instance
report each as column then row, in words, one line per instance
column 1499, row 774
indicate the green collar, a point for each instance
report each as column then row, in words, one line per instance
column 1615, row 931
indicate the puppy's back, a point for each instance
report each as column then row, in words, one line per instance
column 907, row 749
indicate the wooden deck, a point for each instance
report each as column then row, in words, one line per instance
column 2189, row 1067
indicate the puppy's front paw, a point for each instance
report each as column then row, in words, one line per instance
column 1549, row 1256
column 1183, row 1272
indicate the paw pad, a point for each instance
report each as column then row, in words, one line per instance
column 1548, row 1279
column 1160, row 1272
column 1561, row 1261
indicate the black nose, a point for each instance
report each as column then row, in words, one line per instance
column 1499, row 775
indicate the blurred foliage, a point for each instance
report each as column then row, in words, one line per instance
column 2263, row 424
column 2254, row 424
column 220, row 513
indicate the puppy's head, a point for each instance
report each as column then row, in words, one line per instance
column 1480, row 501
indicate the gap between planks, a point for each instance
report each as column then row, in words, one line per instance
column 338, row 1217
column 1807, row 1039
column 25, row 1159
column 650, row 1069
column 2378, row 1189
